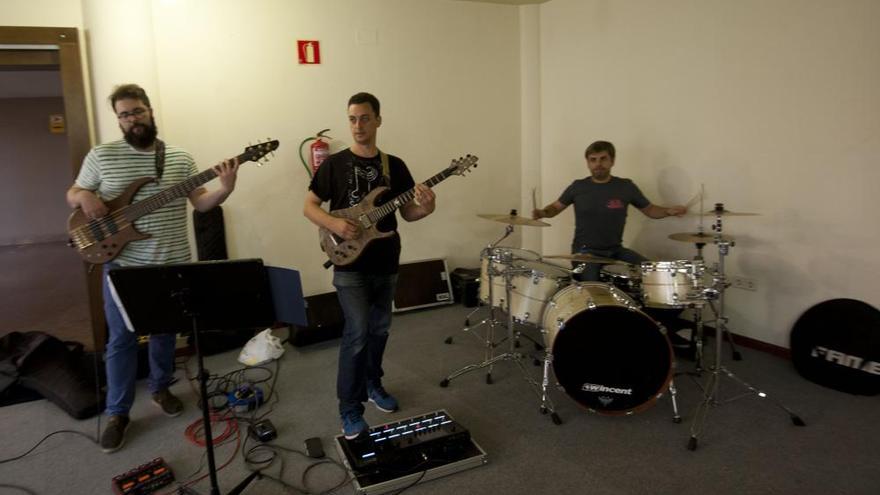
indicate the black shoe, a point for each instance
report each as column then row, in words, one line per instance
column 169, row 404
column 114, row 433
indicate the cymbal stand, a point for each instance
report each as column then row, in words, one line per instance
column 720, row 282
column 717, row 371
column 488, row 340
column 512, row 355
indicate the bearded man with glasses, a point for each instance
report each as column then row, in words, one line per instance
column 105, row 173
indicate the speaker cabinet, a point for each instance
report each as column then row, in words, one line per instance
column 421, row 284
column 325, row 320
column 210, row 234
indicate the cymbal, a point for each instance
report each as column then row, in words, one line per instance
column 585, row 257
column 727, row 213
column 698, row 237
column 514, row 220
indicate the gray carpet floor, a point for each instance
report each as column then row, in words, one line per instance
column 747, row 446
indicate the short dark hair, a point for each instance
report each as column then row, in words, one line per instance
column 598, row 147
column 365, row 98
column 129, row 91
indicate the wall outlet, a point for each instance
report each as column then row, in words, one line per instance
column 743, row 283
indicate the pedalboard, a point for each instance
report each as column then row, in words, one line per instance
column 402, row 453
column 144, row 479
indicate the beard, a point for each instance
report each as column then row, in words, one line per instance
column 141, row 135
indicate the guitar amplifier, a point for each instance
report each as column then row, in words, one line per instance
column 422, row 284
column 325, row 318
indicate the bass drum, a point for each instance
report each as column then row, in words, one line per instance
column 608, row 356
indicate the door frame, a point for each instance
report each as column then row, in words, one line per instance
column 70, row 68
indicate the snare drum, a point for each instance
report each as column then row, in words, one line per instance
column 675, row 284
column 532, row 284
column 494, row 261
column 625, row 277
column 608, row 356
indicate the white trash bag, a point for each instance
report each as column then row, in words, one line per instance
column 261, row 349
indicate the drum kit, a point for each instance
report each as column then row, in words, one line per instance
column 606, row 350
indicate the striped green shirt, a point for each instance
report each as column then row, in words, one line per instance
column 109, row 168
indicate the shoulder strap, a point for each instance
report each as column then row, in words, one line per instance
column 160, row 158
column 386, row 170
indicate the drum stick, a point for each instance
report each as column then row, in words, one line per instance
column 693, row 200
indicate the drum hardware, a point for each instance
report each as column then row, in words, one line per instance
column 513, row 219
column 511, row 355
column 584, row 257
column 494, row 261
column 717, row 371
column 505, row 259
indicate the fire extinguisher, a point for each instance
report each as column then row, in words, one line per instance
column 319, row 150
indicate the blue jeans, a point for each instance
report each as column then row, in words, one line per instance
column 366, row 304
column 591, row 272
column 121, row 357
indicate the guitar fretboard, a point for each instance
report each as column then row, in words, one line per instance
column 404, row 198
column 162, row 198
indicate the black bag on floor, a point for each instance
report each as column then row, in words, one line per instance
column 54, row 369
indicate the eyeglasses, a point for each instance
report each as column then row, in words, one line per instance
column 136, row 113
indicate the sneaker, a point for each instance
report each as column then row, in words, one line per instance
column 114, row 433
column 169, row 404
column 353, row 425
column 383, row 400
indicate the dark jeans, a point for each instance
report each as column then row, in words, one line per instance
column 122, row 360
column 591, row 272
column 366, row 303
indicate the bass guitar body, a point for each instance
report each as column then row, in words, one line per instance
column 100, row 242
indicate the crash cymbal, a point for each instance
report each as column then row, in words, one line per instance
column 585, row 257
column 727, row 213
column 514, row 220
column 698, row 237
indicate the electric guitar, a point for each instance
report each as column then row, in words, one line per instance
column 367, row 216
column 99, row 241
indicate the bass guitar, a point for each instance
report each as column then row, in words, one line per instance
column 99, row 241
column 367, row 215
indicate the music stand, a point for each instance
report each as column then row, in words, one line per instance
column 213, row 295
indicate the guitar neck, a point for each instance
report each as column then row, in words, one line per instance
column 404, row 198
column 180, row 190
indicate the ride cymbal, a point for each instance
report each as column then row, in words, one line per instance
column 698, row 237
column 584, row 257
column 514, row 220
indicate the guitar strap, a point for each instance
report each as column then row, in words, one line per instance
column 160, row 158
column 386, row 170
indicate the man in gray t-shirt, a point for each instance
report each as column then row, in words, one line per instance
column 600, row 206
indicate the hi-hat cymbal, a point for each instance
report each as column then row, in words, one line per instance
column 698, row 237
column 727, row 213
column 514, row 220
column 585, row 257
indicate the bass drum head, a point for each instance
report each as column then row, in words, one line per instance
column 612, row 360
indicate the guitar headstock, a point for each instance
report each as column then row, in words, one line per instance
column 257, row 151
column 462, row 165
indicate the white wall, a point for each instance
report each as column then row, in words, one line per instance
column 223, row 73
column 772, row 105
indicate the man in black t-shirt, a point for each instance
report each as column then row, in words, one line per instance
column 600, row 206
column 365, row 287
